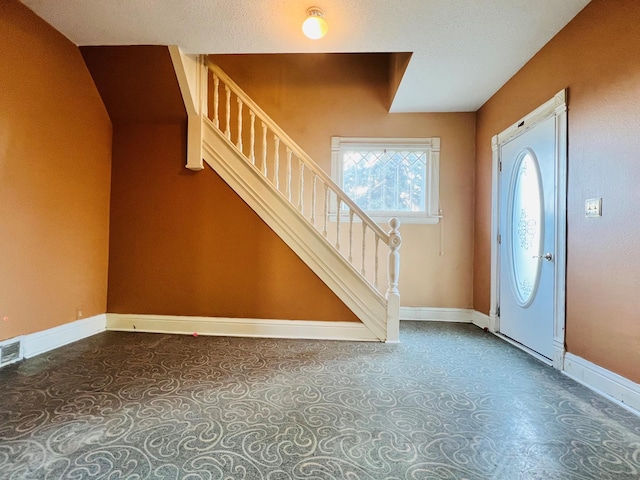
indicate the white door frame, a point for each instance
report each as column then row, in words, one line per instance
column 556, row 107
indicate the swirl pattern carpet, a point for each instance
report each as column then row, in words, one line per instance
column 449, row 402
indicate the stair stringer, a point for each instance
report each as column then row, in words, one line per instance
column 295, row 230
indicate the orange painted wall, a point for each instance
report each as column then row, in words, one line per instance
column 597, row 56
column 55, row 155
column 182, row 242
column 315, row 97
column 137, row 83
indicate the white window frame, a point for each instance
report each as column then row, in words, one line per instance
column 431, row 146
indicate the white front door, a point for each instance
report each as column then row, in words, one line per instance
column 527, row 252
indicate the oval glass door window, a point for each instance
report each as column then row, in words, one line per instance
column 525, row 232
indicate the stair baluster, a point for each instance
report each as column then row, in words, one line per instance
column 227, row 130
column 364, row 245
column 338, row 215
column 216, row 100
column 301, row 189
column 350, row 236
column 276, row 162
column 239, row 143
column 252, row 140
column 394, row 256
column 375, row 274
column 264, row 149
column 289, row 154
column 326, row 209
column 313, row 200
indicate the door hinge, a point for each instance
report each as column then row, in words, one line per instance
column 498, row 312
column 500, row 166
column 499, row 239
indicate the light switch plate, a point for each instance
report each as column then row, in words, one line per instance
column 593, row 207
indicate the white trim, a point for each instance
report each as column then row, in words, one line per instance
column 459, row 315
column 393, row 311
column 559, row 300
column 494, row 319
column 383, row 218
column 481, row 320
column 46, row 340
column 186, row 69
column 240, row 327
column 431, row 314
column 616, row 388
column 191, row 74
column 555, row 107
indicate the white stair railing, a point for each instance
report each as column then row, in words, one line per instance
column 305, row 185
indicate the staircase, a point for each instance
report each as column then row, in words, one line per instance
column 345, row 248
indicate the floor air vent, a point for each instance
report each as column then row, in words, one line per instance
column 10, row 352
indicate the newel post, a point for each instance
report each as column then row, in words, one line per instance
column 393, row 294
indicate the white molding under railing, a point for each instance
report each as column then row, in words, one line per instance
column 306, row 186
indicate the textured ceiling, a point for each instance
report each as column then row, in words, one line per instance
column 463, row 50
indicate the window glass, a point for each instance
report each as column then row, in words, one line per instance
column 389, row 177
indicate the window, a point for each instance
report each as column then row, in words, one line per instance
column 389, row 177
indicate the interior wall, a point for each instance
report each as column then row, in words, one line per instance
column 182, row 242
column 596, row 57
column 55, row 154
column 315, row 97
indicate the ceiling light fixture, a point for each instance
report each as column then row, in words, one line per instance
column 314, row 27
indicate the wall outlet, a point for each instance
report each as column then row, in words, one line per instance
column 79, row 313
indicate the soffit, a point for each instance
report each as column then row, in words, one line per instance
column 121, row 75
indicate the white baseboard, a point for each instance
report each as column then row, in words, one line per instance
column 619, row 389
column 481, row 320
column 431, row 314
column 460, row 315
column 240, row 327
column 41, row 342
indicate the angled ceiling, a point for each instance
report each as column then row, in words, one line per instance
column 463, row 50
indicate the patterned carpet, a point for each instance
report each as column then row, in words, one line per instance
column 449, row 402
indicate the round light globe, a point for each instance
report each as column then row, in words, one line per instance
column 315, row 27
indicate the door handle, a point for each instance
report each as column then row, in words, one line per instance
column 547, row 256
